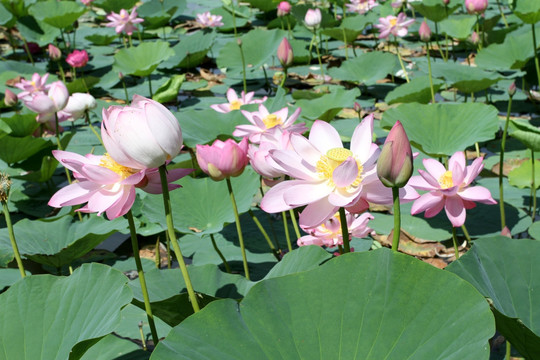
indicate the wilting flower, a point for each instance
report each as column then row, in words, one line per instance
column 259, row 156
column 124, row 22
column 105, row 185
column 143, row 135
column 361, row 6
column 54, row 53
column 208, row 20
column 395, row 164
column 329, row 233
column 29, row 88
column 285, row 53
column 313, row 18
column 78, row 58
column 223, row 159
column 449, row 188
column 424, row 32
column 235, row 102
column 283, row 8
column 476, row 6
column 78, row 104
column 329, row 176
column 10, row 98
column 46, row 105
column 262, row 121
column 396, row 26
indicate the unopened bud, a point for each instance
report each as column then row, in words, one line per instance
column 120, row 75
column 395, row 164
column 446, row 2
column 424, row 32
column 357, row 107
column 285, row 53
column 54, row 53
column 239, row 42
column 283, row 8
column 5, row 185
column 512, row 89
column 10, row 98
column 475, row 38
column 506, row 232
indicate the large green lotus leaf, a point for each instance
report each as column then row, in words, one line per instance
column 6, row 18
column 15, row 149
column 37, row 31
column 264, row 5
column 143, row 59
column 242, row 13
column 327, row 106
column 534, row 230
column 60, row 14
column 527, row 10
column 114, row 5
column 113, row 347
column 366, row 69
column 443, row 129
column 19, row 125
column 458, row 26
column 435, row 10
column 131, row 316
column 44, row 173
column 159, row 13
column 371, row 305
column 521, row 176
column 465, row 78
column 418, row 90
column 44, row 316
column 59, row 242
column 528, row 134
column 203, row 206
column 259, row 46
column 190, row 51
column 9, row 277
column 506, row 271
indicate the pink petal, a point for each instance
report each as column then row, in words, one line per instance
column 427, row 201
column 362, row 139
column 455, row 210
column 324, row 137
column 304, row 193
column 273, row 201
column 74, row 194
column 346, row 173
column 477, row 193
column 122, row 205
column 420, row 182
column 293, row 164
column 435, row 168
column 317, row 212
column 305, row 149
column 473, row 171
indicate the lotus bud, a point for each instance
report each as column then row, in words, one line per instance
column 283, row 8
column 5, row 185
column 313, row 18
column 357, row 107
column 512, row 89
column 476, row 6
column 54, row 52
column 121, row 75
column 506, row 232
column 475, row 38
column 223, row 159
column 239, row 42
column 424, row 32
column 285, row 53
column 10, row 98
column 395, row 164
column 78, row 58
column 446, row 2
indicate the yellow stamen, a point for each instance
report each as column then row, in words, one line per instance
column 272, row 120
column 393, row 22
column 446, row 181
column 333, row 158
column 124, row 171
column 235, row 105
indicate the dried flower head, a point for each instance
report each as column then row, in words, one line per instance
column 5, row 185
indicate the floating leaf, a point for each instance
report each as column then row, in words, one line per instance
column 527, row 10
column 522, row 176
column 458, row 26
column 528, row 134
column 143, row 59
column 329, row 105
column 366, row 68
column 169, row 91
column 60, row 14
column 465, row 78
column 113, row 347
column 435, row 10
column 190, row 51
column 418, row 90
column 114, row 5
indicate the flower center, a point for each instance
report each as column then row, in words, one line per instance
column 333, row 158
column 446, row 180
column 124, row 171
column 272, row 120
column 393, row 22
column 235, row 105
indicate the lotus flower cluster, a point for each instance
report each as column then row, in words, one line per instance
column 392, row 25
column 124, row 22
column 235, row 102
column 361, row 6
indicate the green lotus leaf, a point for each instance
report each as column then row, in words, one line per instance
column 44, row 316
column 241, row 13
column 534, row 230
column 505, row 271
column 114, row 5
column 169, row 91
column 6, row 18
column 190, row 51
column 9, row 277
column 143, row 59
column 528, row 134
column 435, row 10
column 60, row 14
column 329, row 105
column 158, row 14
column 113, row 347
column 418, row 90
column 465, row 78
column 19, row 125
column 15, row 149
column 521, row 176
column 366, row 69
column 264, row 5
column 443, row 129
column 458, row 26
column 527, row 10
column 358, row 313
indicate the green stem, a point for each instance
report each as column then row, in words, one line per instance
column 430, row 75
column 150, row 86
column 310, row 48
column 295, row 223
column 227, row 267
column 454, row 240
column 502, row 14
column 12, row 239
column 286, row 228
column 142, row 280
column 59, row 146
column 401, row 63
column 93, row 128
column 264, row 234
column 346, row 47
column 533, row 188
column 397, row 219
column 320, row 61
column 62, row 74
column 466, row 233
column 243, row 65
column 535, row 54
column 480, row 40
column 238, row 227
column 437, row 41
column 508, row 354
column 125, row 91
column 172, row 237
column 168, row 250
column 284, row 76
column 28, row 53
column 344, row 230
column 501, row 164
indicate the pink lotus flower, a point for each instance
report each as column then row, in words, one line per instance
column 235, row 102
column 313, row 18
column 78, row 58
column 285, row 53
column 46, row 105
column 361, row 6
column 396, row 26
column 143, row 135
column 476, row 6
column 54, row 53
column 29, row 88
column 328, row 176
column 261, row 121
column 223, row 159
column 124, row 22
column 449, row 188
column 259, row 156
column 283, row 8
column 208, row 20
column 78, row 104
column 329, row 233
column 395, row 165
column 106, row 185
column 87, row 2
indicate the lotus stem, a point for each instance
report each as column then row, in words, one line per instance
column 157, row 258
column 28, row 53
column 310, row 48
column 62, row 74
column 437, row 41
column 264, row 234
column 501, row 164
column 344, row 230
column 397, row 219
column 225, row 263
column 533, row 187
column 174, row 241
column 168, row 250
column 142, row 280
column 430, row 75
column 502, row 14
column 535, row 54
column 238, row 228
column 150, row 85
column 59, row 146
column 295, row 223
column 508, row 354
column 320, row 61
column 284, row 76
column 141, row 333
column 286, row 228
column 125, row 91
column 92, row 128
column 466, row 233
column 289, row 28
column 401, row 63
column 12, row 239
column 244, row 83
column 454, row 240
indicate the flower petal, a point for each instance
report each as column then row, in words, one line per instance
column 304, row 193
column 477, row 193
column 346, row 173
column 317, row 212
column 455, row 210
column 324, row 137
column 427, row 201
column 362, row 139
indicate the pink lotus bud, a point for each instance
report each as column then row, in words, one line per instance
column 78, row 58
column 475, row 38
column 10, row 98
column 285, row 53
column 512, row 89
column 506, row 232
column 54, row 53
column 476, row 6
column 283, row 8
column 424, row 32
column 120, row 75
column 87, row 2
column 395, row 164
column 313, row 18
column 223, row 159
column 446, row 2
column 357, row 107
